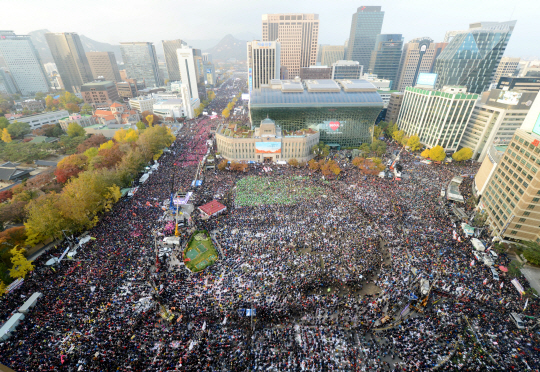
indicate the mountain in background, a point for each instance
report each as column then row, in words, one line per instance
column 229, row 47
column 89, row 45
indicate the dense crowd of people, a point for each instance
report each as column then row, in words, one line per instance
column 330, row 282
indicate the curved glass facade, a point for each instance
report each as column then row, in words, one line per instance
column 346, row 126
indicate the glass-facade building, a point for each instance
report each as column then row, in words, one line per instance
column 141, row 63
column 386, row 57
column 472, row 57
column 342, row 112
column 365, row 26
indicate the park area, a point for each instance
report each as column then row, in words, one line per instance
column 253, row 191
column 200, row 252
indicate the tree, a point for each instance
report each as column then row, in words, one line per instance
column 91, row 153
column 320, row 150
column 313, row 165
column 425, row 153
column 18, row 130
column 437, row 153
column 45, row 219
column 3, row 122
column 155, row 118
column 94, row 140
column 222, row 165
column 398, row 135
column 107, row 158
column 414, row 143
column 293, row 162
column 20, row 265
column 106, row 145
column 72, row 107
column 377, row 132
column 70, row 166
column 39, row 96
column 378, row 147
column 150, row 120
column 6, row 137
column 365, row 149
column 15, row 236
column 357, row 161
column 226, row 113
column 123, row 136
column 5, row 195
column 532, row 252
column 140, row 126
column 75, row 130
column 13, row 211
column 86, row 109
column 464, row 154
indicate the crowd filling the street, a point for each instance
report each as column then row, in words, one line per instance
column 347, row 273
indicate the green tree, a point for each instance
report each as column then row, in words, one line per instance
column 377, row 132
column 437, row 153
column 532, row 252
column 3, row 122
column 320, row 150
column 378, row 147
column 398, row 135
column 140, row 126
column 86, row 109
column 464, row 154
column 18, row 130
column 414, row 143
column 39, row 96
column 365, row 149
column 75, row 130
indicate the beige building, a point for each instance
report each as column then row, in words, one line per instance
column 263, row 62
column 103, row 64
column 98, row 93
column 267, row 143
column 512, row 194
column 507, row 67
column 330, row 54
column 83, row 120
column 298, row 35
column 394, row 104
column 495, row 118
column 418, row 56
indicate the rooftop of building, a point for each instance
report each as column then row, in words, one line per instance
column 98, row 85
column 316, row 93
column 442, row 93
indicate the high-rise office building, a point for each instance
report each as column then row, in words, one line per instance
column 209, row 73
column 495, row 118
column 7, row 84
column 298, row 35
column 418, row 56
column 438, row 117
column 511, row 195
column 207, row 57
column 103, row 64
column 171, row 58
column 188, row 70
column 365, row 26
column 25, row 70
column 472, row 56
column 347, row 70
column 507, row 67
column 141, row 63
column 394, row 105
column 330, row 54
column 70, row 58
column 526, row 84
column 386, row 57
column 263, row 62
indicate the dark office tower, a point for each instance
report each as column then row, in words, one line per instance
column 171, row 58
column 386, row 57
column 472, row 56
column 141, row 63
column 70, row 59
column 366, row 25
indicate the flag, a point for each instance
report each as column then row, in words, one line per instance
column 526, row 303
column 204, row 325
column 502, row 283
column 454, row 234
column 472, row 263
column 485, row 281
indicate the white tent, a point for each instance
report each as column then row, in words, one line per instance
column 31, row 302
column 478, row 245
column 10, row 326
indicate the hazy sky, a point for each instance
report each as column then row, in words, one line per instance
column 113, row 21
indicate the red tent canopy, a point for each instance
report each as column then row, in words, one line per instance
column 212, row 208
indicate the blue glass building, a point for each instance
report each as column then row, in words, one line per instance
column 472, row 56
column 365, row 26
column 386, row 57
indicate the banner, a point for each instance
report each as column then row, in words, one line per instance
column 518, row 286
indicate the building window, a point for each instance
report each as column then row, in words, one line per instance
column 518, row 226
column 513, row 232
column 521, row 220
column 531, row 206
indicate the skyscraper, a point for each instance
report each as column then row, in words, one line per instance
column 507, row 67
column 386, row 57
column 263, row 62
column 140, row 61
column 68, row 54
column 188, row 70
column 472, row 56
column 171, row 58
column 366, row 25
column 104, row 64
column 298, row 35
column 23, row 63
column 330, row 54
column 418, row 56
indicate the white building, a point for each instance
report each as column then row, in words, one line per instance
column 507, row 67
column 175, row 104
column 24, row 63
column 263, row 62
column 38, row 120
column 438, row 117
column 351, row 70
column 142, row 103
column 50, row 67
column 381, row 84
column 494, row 120
column 188, row 70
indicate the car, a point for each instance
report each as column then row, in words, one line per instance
column 495, row 274
column 493, row 254
column 516, row 319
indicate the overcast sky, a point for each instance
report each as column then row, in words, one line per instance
column 114, row 21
